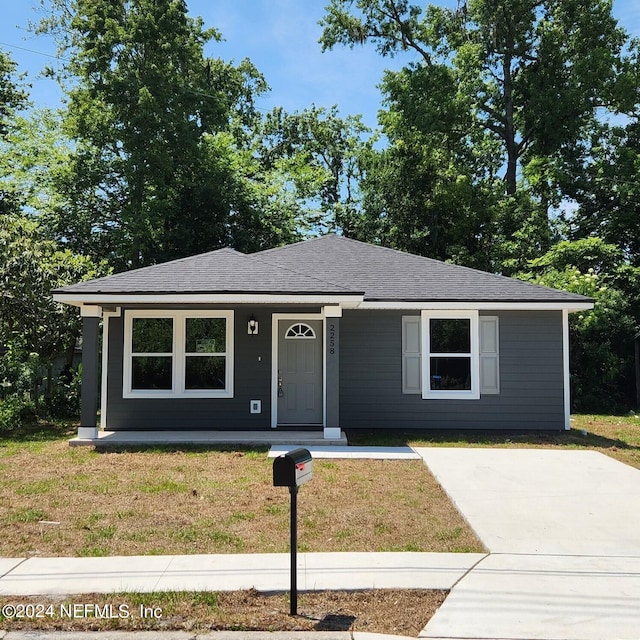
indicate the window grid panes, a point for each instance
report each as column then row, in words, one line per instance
column 152, row 354
column 450, row 354
column 179, row 355
column 205, row 350
column 300, row 330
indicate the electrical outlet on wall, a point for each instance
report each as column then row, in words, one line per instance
column 255, row 406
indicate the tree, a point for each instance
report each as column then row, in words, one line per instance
column 431, row 190
column 513, row 80
column 148, row 113
column 33, row 327
column 317, row 152
column 533, row 71
column 606, row 188
column 34, row 152
column 13, row 98
column 601, row 340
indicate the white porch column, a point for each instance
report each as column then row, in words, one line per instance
column 89, row 391
column 332, row 372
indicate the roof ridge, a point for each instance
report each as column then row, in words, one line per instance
column 158, row 265
column 415, row 256
column 294, row 244
column 177, row 260
column 451, row 264
column 299, row 273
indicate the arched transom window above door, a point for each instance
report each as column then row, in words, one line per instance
column 300, row 331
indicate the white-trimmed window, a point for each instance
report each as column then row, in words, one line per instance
column 450, row 362
column 413, row 337
column 178, row 354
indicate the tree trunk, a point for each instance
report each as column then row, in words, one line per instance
column 509, row 128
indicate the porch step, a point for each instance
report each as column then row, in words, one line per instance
column 259, row 438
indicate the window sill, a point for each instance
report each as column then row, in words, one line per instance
column 451, row 395
column 169, row 395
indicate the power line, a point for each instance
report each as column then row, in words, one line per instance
column 39, row 53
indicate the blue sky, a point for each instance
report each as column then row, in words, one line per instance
column 279, row 36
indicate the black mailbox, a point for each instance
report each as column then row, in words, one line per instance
column 293, row 468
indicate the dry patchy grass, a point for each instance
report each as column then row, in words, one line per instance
column 403, row 612
column 186, row 502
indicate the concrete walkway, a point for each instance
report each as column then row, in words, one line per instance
column 563, row 528
column 264, row 572
column 350, row 453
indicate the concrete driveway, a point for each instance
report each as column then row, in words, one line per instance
column 563, row 529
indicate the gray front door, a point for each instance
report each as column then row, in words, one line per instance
column 300, row 372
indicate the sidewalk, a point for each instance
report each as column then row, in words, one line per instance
column 264, row 572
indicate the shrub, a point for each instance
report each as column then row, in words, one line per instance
column 16, row 412
column 64, row 401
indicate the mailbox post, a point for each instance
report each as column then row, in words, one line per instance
column 291, row 470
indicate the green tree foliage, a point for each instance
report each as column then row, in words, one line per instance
column 601, row 340
column 317, row 153
column 606, row 188
column 498, row 83
column 154, row 123
column 13, row 98
column 32, row 155
column 431, row 190
column 33, row 327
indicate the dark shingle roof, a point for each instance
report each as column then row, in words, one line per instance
column 221, row 271
column 388, row 274
column 329, row 265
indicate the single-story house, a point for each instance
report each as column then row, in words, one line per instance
column 325, row 334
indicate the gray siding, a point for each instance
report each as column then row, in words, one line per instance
column 252, row 381
column 370, row 373
column 531, row 377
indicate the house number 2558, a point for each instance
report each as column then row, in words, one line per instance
column 332, row 338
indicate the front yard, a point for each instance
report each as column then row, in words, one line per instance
column 55, row 500
column 58, row 500
column 61, row 501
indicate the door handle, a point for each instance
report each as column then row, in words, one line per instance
column 280, row 389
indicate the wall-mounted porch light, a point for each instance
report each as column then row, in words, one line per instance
column 252, row 326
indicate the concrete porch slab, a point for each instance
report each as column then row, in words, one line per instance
column 260, row 438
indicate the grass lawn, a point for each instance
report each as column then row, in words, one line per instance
column 56, row 500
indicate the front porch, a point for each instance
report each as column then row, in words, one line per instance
column 114, row 439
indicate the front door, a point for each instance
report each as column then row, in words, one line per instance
column 299, row 372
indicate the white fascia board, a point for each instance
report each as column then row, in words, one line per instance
column 91, row 311
column 334, row 311
column 480, row 306
column 205, row 298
